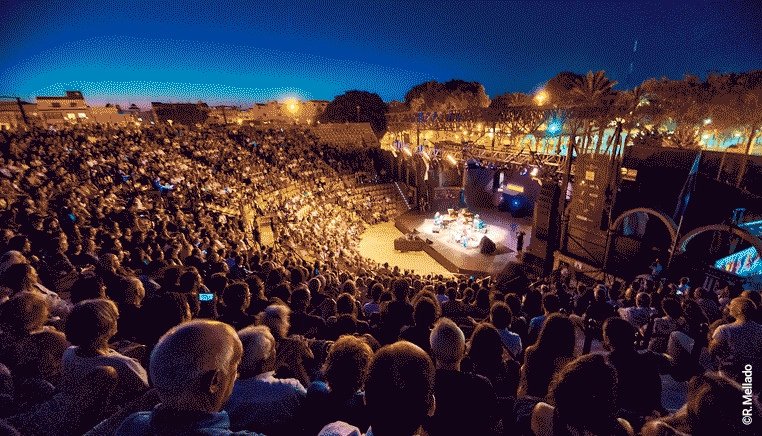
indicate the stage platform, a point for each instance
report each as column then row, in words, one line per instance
column 501, row 229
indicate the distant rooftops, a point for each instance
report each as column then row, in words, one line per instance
column 70, row 95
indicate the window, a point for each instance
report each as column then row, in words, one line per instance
column 73, row 104
column 71, row 116
column 56, row 104
column 82, row 115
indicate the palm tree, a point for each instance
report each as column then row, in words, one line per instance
column 631, row 107
column 593, row 94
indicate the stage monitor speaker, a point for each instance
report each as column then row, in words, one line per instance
column 486, row 246
column 429, row 241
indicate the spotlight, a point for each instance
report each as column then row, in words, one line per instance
column 523, row 171
column 534, row 172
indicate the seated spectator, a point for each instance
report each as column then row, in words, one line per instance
column 292, row 355
column 454, row 308
column 738, row 344
column 261, row 402
column 519, row 323
column 480, row 307
column 501, row 317
column 550, row 305
column 640, row 314
column 452, row 386
column 89, row 327
column 373, row 306
column 712, row 409
column 302, row 323
column 554, row 348
column 30, row 350
column 485, row 357
column 194, row 368
column 165, row 311
column 583, row 398
column 709, row 303
column 664, row 326
column 258, row 300
column 639, row 383
column 237, row 299
column 425, row 313
column 128, row 298
column 399, row 392
column 346, row 322
column 88, row 286
column 341, row 396
column 440, row 291
column 23, row 277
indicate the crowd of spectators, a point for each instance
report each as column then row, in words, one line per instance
column 136, row 298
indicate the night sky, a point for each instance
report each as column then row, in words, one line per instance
column 240, row 52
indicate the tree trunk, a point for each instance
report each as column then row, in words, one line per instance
column 601, row 133
column 749, row 143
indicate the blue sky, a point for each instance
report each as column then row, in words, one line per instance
column 239, row 52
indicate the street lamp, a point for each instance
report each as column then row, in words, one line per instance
column 541, row 97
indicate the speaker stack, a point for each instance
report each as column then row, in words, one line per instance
column 545, row 226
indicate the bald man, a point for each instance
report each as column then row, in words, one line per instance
column 193, row 368
column 453, row 415
column 738, row 345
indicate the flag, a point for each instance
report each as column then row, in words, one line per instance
column 688, row 188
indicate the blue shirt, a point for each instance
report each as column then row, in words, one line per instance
column 166, row 422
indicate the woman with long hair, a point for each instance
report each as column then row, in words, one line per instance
column 486, row 358
column 583, row 397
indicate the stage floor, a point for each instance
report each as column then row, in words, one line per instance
column 377, row 244
column 501, row 229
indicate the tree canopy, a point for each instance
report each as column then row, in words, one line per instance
column 343, row 109
column 454, row 95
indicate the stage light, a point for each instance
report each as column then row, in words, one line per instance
column 523, row 171
column 707, row 121
column 534, row 172
column 554, row 127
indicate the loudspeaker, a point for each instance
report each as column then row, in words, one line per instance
column 588, row 199
column 486, row 246
column 429, row 241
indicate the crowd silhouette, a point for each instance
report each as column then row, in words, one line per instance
column 138, row 298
